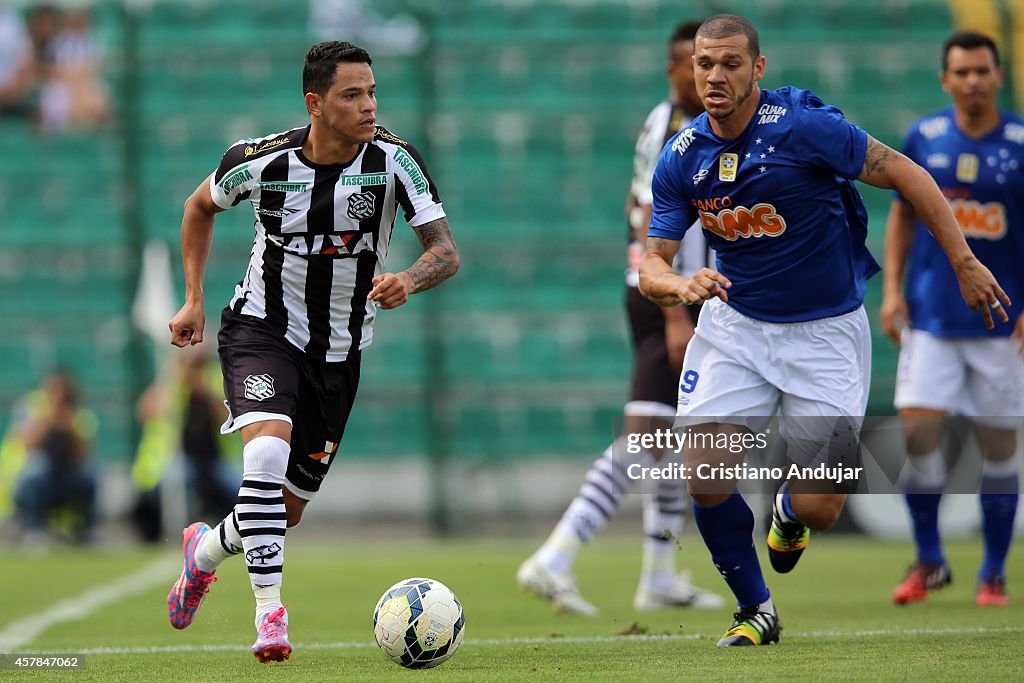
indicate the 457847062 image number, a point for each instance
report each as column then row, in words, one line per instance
column 23, row 662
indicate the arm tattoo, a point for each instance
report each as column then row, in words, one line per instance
column 658, row 244
column 440, row 259
column 877, row 157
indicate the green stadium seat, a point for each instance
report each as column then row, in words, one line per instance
column 608, row 354
column 382, row 426
column 394, row 359
column 548, row 429
column 538, row 213
column 477, row 431
column 22, row 364
column 542, row 354
column 927, row 16
column 470, row 358
column 95, row 369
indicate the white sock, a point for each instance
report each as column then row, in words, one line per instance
column 597, row 500
column 659, row 564
column 260, row 511
column 767, row 606
column 223, row 542
column 663, row 525
column 559, row 550
column 924, row 472
column 267, row 600
column 1000, row 469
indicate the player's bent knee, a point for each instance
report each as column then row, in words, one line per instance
column 277, row 428
column 922, row 431
column 920, row 441
column 293, row 508
column 997, row 444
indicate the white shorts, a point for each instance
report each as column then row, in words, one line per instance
column 739, row 370
column 981, row 378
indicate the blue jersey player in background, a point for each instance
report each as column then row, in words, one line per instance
column 949, row 361
column 659, row 337
column 769, row 175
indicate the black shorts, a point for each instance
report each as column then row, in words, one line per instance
column 653, row 377
column 265, row 376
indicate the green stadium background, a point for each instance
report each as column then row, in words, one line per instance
column 526, row 112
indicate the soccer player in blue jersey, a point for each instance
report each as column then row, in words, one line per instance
column 949, row 362
column 769, row 174
column 659, row 339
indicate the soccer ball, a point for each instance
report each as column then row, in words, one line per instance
column 418, row 623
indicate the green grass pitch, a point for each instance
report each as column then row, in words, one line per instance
column 836, row 615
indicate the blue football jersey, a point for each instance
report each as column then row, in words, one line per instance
column 984, row 182
column 777, row 204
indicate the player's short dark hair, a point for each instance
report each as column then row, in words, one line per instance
column 322, row 61
column 968, row 40
column 727, row 25
column 687, row 30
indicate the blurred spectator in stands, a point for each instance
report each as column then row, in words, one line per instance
column 16, row 65
column 182, row 414
column 351, row 20
column 44, row 22
column 52, row 432
column 72, row 95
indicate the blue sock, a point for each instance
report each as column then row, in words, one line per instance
column 998, row 508
column 728, row 532
column 924, row 517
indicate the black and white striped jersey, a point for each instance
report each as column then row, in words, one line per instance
column 664, row 121
column 661, row 124
column 322, row 233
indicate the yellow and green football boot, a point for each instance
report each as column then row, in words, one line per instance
column 750, row 626
column 786, row 540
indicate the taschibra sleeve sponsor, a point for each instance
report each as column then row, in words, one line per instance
column 228, row 191
column 239, row 167
column 409, row 165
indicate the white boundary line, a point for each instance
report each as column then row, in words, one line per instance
column 23, row 631
column 584, row 640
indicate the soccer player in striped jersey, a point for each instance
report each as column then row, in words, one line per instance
column 949, row 362
column 659, row 339
column 325, row 198
column 769, row 174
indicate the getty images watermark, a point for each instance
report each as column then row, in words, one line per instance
column 820, row 454
column 736, row 443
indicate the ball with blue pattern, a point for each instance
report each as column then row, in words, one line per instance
column 418, row 623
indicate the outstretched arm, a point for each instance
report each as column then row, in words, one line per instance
column 196, row 237
column 899, row 237
column 888, row 169
column 439, row 261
